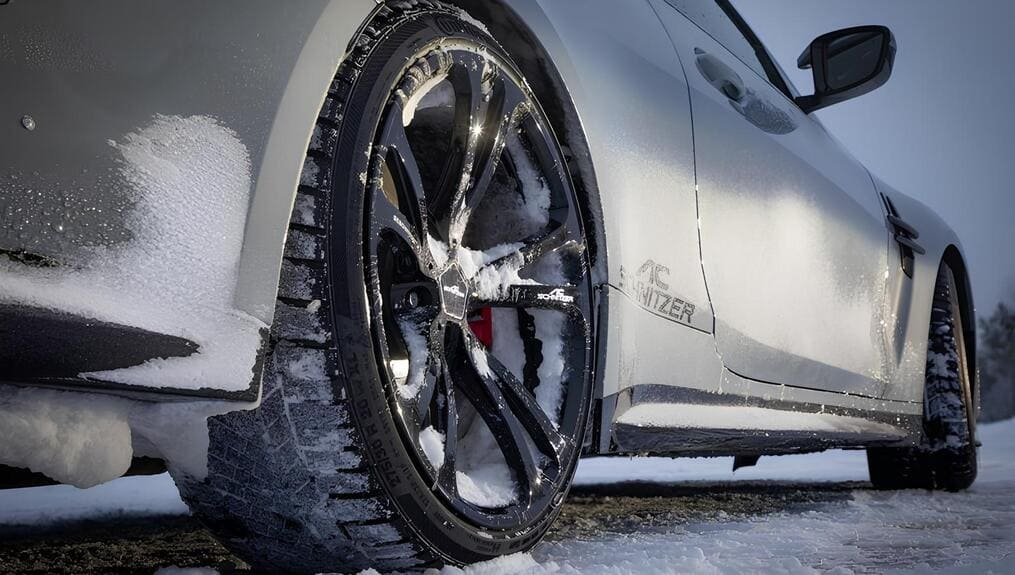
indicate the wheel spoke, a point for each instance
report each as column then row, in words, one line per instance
column 500, row 118
column 399, row 202
column 509, row 416
column 526, row 409
column 447, row 477
column 490, row 117
column 547, row 155
column 557, row 239
column 388, row 217
column 466, row 79
column 565, row 299
column 488, row 138
column 404, row 169
column 435, row 368
column 425, row 396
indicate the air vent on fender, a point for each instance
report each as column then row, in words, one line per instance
column 905, row 236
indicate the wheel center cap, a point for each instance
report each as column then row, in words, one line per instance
column 454, row 292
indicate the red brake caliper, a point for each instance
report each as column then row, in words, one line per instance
column 481, row 323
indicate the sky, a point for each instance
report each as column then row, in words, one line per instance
column 942, row 129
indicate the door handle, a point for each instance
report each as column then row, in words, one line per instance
column 720, row 76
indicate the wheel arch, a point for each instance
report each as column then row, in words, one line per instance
column 952, row 257
column 275, row 184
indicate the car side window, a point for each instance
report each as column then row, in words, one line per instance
column 720, row 21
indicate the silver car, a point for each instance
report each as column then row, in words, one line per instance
column 370, row 277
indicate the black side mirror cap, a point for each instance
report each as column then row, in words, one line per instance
column 847, row 63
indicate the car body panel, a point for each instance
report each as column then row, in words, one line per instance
column 792, row 232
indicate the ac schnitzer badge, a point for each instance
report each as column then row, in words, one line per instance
column 559, row 295
column 651, row 291
column 454, row 292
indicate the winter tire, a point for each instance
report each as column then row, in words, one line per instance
column 428, row 377
column 946, row 459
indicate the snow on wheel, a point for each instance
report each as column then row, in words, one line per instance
column 429, row 375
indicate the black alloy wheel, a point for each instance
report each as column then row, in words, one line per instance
column 441, row 251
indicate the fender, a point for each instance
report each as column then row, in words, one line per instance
column 911, row 297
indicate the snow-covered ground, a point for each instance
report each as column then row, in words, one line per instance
column 863, row 532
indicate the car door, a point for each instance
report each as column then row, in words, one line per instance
column 793, row 239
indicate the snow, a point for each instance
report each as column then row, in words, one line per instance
column 482, row 476
column 433, row 93
column 493, row 282
column 550, row 391
column 536, row 204
column 84, row 439
column 937, row 364
column 432, row 442
column 508, row 347
column 439, row 250
column 87, row 446
column 472, row 262
column 484, row 485
column 305, row 207
column 863, row 531
column 189, row 180
column 519, row 564
column 416, row 344
column 743, row 417
column 479, row 360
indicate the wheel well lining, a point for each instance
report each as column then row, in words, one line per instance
column 953, row 258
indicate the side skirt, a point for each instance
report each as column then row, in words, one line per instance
column 677, row 421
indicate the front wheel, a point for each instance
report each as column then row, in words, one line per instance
column 946, row 457
column 428, row 379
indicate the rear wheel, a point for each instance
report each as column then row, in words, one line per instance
column 429, row 373
column 946, row 458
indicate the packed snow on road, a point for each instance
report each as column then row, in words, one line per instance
column 850, row 529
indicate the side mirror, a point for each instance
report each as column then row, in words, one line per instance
column 846, row 64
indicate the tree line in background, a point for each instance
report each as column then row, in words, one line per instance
column 996, row 360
